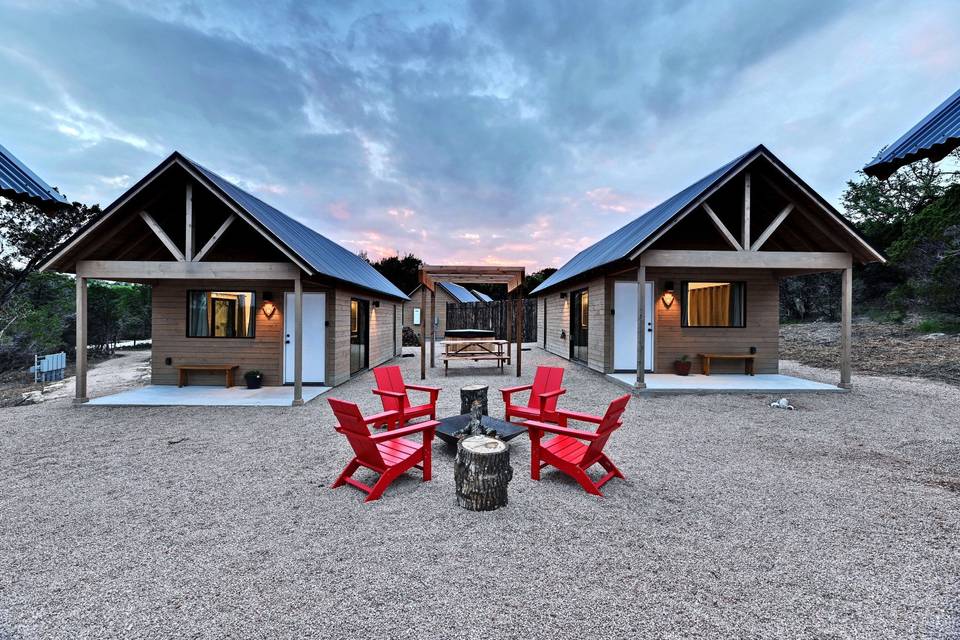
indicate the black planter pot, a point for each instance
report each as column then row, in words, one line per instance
column 254, row 382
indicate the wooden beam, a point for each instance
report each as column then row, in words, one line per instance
column 164, row 238
column 846, row 320
column 215, row 237
column 746, row 209
column 519, row 316
column 165, row 270
column 747, row 259
column 641, row 325
column 722, row 228
column 298, row 338
column 772, row 227
column 80, row 392
column 423, row 330
column 188, row 242
column 433, row 328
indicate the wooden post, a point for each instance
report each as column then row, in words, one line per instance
column 298, row 345
column 746, row 212
column 433, row 328
column 519, row 315
column 641, row 323
column 423, row 332
column 846, row 318
column 80, row 395
column 189, row 241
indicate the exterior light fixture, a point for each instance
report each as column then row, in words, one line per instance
column 563, row 294
column 269, row 308
column 668, row 296
column 376, row 304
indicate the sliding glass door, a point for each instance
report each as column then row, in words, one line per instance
column 359, row 335
column 579, row 320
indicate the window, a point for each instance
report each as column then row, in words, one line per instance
column 713, row 304
column 221, row 314
column 416, row 316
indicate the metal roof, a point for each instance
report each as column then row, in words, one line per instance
column 933, row 137
column 622, row 242
column 459, row 293
column 481, row 296
column 17, row 181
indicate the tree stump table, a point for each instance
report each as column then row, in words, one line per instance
column 481, row 472
column 473, row 392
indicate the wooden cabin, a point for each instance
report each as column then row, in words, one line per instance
column 235, row 283
column 708, row 261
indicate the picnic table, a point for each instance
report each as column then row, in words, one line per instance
column 475, row 349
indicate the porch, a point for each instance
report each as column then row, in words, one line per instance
column 165, row 395
column 668, row 383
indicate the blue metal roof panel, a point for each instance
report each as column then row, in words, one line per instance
column 321, row 253
column 933, row 137
column 622, row 242
column 459, row 293
column 17, row 180
column 481, row 296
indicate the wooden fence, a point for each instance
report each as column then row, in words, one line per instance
column 497, row 316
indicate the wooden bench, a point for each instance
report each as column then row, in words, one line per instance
column 748, row 359
column 226, row 369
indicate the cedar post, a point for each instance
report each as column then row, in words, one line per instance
column 80, row 395
column 423, row 331
column 433, row 328
column 746, row 212
column 846, row 317
column 641, row 323
column 298, row 341
column 188, row 243
column 519, row 315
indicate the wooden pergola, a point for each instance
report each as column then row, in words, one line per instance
column 431, row 274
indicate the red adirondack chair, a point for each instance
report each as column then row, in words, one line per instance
column 393, row 394
column 387, row 453
column 544, row 392
column 566, row 452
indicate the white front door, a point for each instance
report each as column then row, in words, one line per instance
column 314, row 337
column 625, row 326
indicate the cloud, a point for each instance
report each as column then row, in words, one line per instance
column 495, row 132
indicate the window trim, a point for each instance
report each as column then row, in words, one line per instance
column 683, row 305
column 253, row 305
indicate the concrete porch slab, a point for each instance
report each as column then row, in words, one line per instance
column 163, row 395
column 668, row 383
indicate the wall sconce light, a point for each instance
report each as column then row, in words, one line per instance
column 376, row 304
column 269, row 308
column 668, row 296
column 563, row 294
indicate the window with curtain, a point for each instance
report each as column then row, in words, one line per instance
column 221, row 314
column 713, row 304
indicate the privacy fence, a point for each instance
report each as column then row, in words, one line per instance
column 497, row 316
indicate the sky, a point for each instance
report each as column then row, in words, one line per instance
column 475, row 132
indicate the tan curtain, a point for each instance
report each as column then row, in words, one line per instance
column 709, row 306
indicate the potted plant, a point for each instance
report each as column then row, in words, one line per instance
column 681, row 366
column 254, row 379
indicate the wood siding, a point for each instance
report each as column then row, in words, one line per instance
column 265, row 350
column 670, row 339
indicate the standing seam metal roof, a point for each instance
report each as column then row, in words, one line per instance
column 321, row 253
column 622, row 242
column 933, row 137
column 481, row 296
column 17, row 180
column 459, row 293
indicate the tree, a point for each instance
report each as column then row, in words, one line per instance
column 401, row 271
column 28, row 235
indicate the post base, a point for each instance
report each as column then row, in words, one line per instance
column 845, row 385
column 79, row 401
column 297, row 402
column 640, row 385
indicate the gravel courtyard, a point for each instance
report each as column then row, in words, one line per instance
column 839, row 519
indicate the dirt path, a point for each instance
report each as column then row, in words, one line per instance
column 878, row 348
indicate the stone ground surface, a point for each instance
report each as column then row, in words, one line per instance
column 839, row 519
